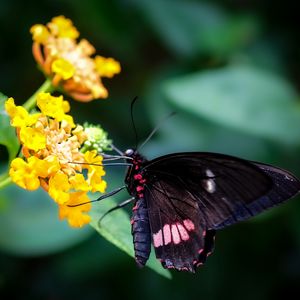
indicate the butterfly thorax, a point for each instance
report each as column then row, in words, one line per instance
column 134, row 179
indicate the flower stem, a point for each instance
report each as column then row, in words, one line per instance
column 45, row 87
column 4, row 181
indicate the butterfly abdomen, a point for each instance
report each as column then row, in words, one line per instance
column 141, row 232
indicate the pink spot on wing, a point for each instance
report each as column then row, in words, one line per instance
column 175, row 234
column 167, row 234
column 200, row 251
column 188, row 224
column 183, row 233
column 157, row 239
column 204, row 233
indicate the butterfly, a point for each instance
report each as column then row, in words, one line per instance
column 182, row 199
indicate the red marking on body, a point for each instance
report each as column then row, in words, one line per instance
column 175, row 234
column 142, row 181
column 139, row 188
column 183, row 233
column 204, row 233
column 131, row 221
column 167, row 234
column 188, row 224
column 138, row 177
column 157, row 239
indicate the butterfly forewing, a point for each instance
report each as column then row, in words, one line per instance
column 219, row 184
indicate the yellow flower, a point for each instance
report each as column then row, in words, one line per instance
column 51, row 145
column 23, row 173
column 76, row 216
column 70, row 63
column 63, row 27
column 32, row 138
column 19, row 115
column 107, row 67
column 63, row 68
column 95, row 171
column 58, row 187
column 40, row 33
column 54, row 107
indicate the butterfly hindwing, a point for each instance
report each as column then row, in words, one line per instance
column 178, row 230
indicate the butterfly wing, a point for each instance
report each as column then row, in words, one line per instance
column 178, row 230
column 222, row 188
column 190, row 195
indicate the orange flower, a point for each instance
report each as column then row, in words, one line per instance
column 70, row 63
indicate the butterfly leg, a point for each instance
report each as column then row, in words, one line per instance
column 120, row 205
column 101, row 197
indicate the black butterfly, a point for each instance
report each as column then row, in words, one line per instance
column 181, row 200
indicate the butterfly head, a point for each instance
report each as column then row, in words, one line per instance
column 129, row 152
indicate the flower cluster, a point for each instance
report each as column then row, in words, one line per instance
column 51, row 145
column 69, row 63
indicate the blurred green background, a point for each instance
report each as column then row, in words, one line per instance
column 230, row 69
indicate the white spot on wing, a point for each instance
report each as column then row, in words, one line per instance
column 209, row 185
column 209, row 173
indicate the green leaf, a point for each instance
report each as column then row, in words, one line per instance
column 188, row 28
column 30, row 224
column 243, row 98
column 8, row 136
column 116, row 228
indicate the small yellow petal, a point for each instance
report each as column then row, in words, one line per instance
column 63, row 27
column 96, row 183
column 75, row 215
column 66, row 106
column 107, row 67
column 78, row 183
column 59, row 187
column 32, row 138
column 19, row 115
column 46, row 167
column 23, row 174
column 40, row 33
column 54, row 107
column 63, row 68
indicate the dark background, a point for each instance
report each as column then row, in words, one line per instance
column 258, row 259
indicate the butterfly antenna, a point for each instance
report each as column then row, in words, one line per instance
column 156, row 128
column 132, row 120
column 116, row 149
